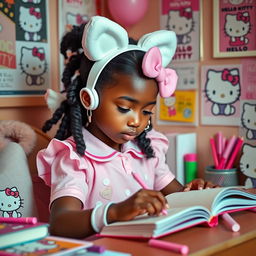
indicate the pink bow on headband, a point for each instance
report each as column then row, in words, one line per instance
column 33, row 12
column 166, row 77
column 9, row 192
column 242, row 17
column 185, row 13
column 38, row 54
column 227, row 76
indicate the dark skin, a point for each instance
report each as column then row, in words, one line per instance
column 123, row 114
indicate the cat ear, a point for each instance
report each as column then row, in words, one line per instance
column 164, row 40
column 101, row 37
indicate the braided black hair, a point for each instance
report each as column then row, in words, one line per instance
column 71, row 114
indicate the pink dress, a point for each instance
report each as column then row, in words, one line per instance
column 102, row 174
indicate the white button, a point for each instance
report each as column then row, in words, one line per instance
column 106, row 181
column 127, row 192
column 146, row 177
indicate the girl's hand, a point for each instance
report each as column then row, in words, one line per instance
column 199, row 184
column 144, row 201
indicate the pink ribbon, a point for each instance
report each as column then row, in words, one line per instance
column 186, row 14
column 242, row 17
column 33, row 12
column 166, row 77
column 227, row 76
column 38, row 54
column 9, row 192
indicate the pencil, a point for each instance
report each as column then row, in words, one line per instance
column 143, row 185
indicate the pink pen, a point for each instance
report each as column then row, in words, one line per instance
column 179, row 248
column 214, row 153
column 227, row 152
column 219, row 144
column 143, row 185
column 234, row 153
column 21, row 220
column 230, row 222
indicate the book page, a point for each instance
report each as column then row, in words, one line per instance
column 203, row 197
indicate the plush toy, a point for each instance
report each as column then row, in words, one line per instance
column 17, row 140
column 19, row 132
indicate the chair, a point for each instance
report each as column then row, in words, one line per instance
column 41, row 191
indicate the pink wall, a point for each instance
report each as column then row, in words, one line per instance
column 37, row 115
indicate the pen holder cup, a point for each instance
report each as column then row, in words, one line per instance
column 224, row 178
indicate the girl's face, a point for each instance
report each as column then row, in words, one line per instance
column 124, row 110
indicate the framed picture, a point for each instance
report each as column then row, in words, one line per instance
column 234, row 28
column 183, row 17
column 25, row 53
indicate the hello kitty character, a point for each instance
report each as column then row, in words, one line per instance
column 248, row 165
column 40, row 247
column 10, row 202
column 182, row 23
column 30, row 21
column 237, row 26
column 248, row 119
column 33, row 64
column 223, row 89
column 76, row 19
column 170, row 104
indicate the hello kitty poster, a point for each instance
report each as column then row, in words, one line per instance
column 183, row 17
column 221, row 88
column 234, row 28
column 25, row 49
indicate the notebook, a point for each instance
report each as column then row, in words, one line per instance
column 187, row 209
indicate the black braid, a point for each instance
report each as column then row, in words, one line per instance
column 144, row 143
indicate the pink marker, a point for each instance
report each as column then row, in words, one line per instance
column 214, row 153
column 219, row 144
column 179, row 248
column 234, row 153
column 143, row 185
column 230, row 222
column 22, row 220
column 227, row 152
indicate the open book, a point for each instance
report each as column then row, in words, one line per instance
column 187, row 209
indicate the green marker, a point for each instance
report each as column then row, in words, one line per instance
column 190, row 166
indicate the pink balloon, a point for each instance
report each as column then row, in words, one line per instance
column 127, row 12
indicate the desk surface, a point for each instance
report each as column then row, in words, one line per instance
column 201, row 240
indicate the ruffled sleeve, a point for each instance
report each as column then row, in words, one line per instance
column 163, row 174
column 63, row 170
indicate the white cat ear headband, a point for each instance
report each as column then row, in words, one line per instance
column 104, row 39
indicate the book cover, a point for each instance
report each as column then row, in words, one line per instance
column 50, row 245
column 179, row 145
column 187, row 209
column 17, row 233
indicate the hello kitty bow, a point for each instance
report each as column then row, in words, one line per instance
column 104, row 39
column 227, row 76
column 10, row 192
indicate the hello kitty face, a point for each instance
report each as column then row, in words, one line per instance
column 249, row 116
column 30, row 19
column 180, row 21
column 247, row 161
column 33, row 60
column 10, row 200
column 170, row 101
column 237, row 25
column 223, row 87
column 76, row 19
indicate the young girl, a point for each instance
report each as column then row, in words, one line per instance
column 105, row 145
